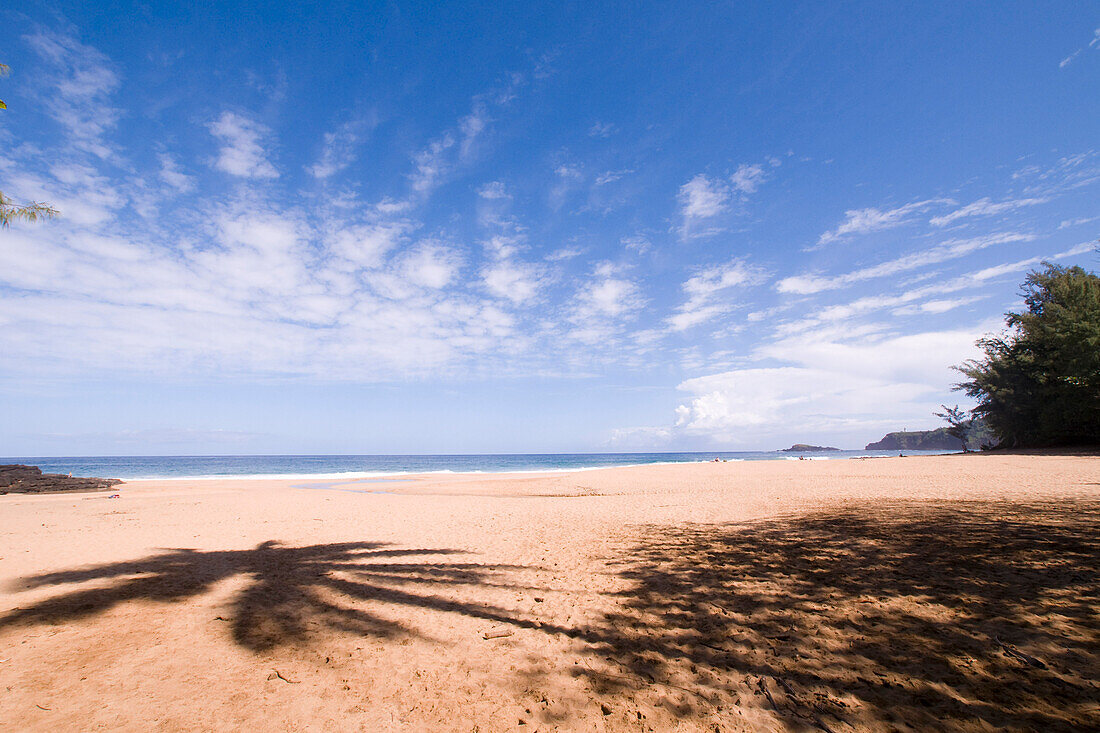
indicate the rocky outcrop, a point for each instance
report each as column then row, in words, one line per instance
column 803, row 448
column 18, row 479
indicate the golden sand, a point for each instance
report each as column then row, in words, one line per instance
column 931, row 593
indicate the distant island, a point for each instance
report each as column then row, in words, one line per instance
column 803, row 448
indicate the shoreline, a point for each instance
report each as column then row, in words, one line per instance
column 781, row 455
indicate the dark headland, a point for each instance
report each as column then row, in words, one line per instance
column 19, row 479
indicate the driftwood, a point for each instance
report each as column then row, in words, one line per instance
column 277, row 674
column 1019, row 656
column 497, row 634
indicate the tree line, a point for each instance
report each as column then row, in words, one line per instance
column 1038, row 384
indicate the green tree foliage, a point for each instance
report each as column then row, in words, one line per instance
column 1039, row 385
column 11, row 211
column 958, row 424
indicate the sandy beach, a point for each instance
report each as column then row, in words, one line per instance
column 932, row 593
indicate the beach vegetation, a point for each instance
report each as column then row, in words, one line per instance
column 11, row 211
column 958, row 424
column 1038, row 384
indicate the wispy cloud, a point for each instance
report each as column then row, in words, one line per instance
column 243, row 152
column 431, row 164
column 173, row 176
column 603, row 302
column 709, row 293
column 704, row 198
column 611, row 176
column 338, row 148
column 864, row 221
column 458, row 146
column 472, row 126
column 602, row 129
column 700, row 199
column 81, row 83
column 938, row 305
column 1068, row 223
column 747, row 178
column 948, row 250
column 568, row 178
column 1094, row 43
column 494, row 190
column 389, row 277
column 984, row 207
column 904, row 301
column 515, row 281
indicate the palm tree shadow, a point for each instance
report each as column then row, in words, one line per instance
column 288, row 590
column 949, row 616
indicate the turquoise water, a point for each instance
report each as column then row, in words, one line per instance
column 133, row 467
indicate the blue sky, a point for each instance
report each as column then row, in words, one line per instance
column 585, row 227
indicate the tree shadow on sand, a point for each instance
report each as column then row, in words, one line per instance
column 948, row 616
column 288, row 589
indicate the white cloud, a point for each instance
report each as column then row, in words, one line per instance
column 472, row 126
column 864, row 221
column 431, row 265
column 494, row 191
column 173, row 176
column 903, row 302
column 747, row 178
column 261, row 291
column 431, row 164
column 517, row 282
column 998, row 270
column 242, row 153
column 602, row 303
column 855, row 388
column 707, row 295
column 569, row 178
column 640, row 437
column 703, row 197
column 1066, row 174
column 1067, row 223
column 502, row 246
column 81, row 83
column 610, row 298
column 940, row 305
column 611, row 176
column 1094, row 43
column 984, row 207
column 636, row 243
column 443, row 154
column 948, row 250
column 600, row 129
column 565, row 253
column 366, row 245
column 337, row 150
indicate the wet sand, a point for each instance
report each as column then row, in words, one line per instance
column 930, row 593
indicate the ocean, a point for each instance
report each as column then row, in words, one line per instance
column 369, row 466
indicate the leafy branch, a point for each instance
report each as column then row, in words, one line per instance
column 11, row 211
